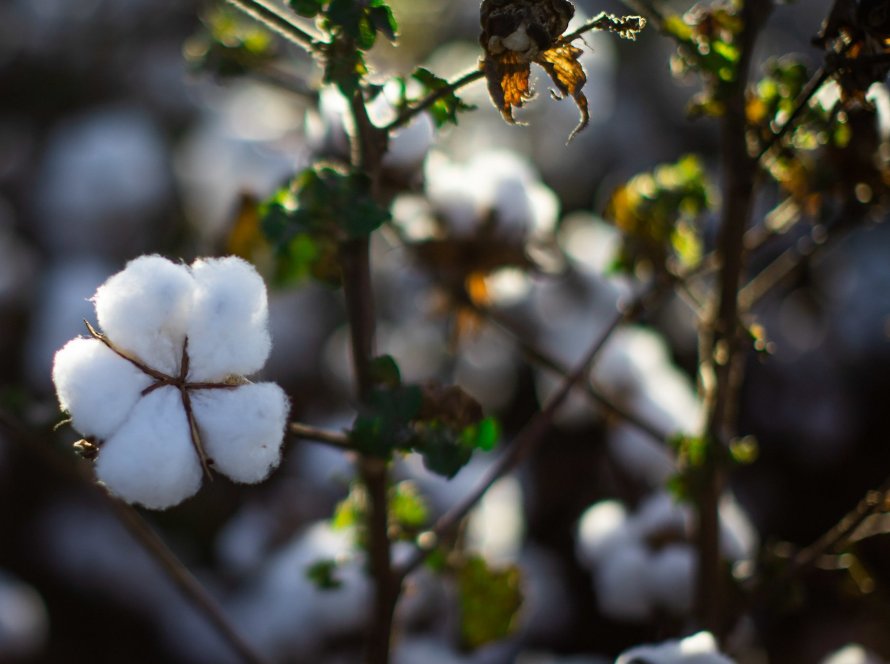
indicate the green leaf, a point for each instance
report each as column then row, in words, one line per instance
column 307, row 8
column 482, row 436
column 445, row 109
column 323, row 574
column 407, row 508
column 384, row 370
column 490, row 599
column 443, row 450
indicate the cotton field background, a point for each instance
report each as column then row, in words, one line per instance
column 116, row 144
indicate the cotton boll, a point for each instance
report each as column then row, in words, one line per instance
column 228, row 327
column 640, row 456
column 671, row 577
column 699, row 648
column 143, row 310
column 660, row 513
column 24, row 623
column 738, row 538
column 600, row 527
column 620, row 583
column 852, row 654
column 496, row 525
column 242, row 429
column 151, row 460
column 96, row 386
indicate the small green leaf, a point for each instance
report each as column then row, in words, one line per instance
column 443, row 450
column 482, row 436
column 384, row 370
column 307, row 8
column 323, row 573
column 490, row 599
column 445, row 109
column 407, row 508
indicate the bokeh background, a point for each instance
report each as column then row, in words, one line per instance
column 112, row 145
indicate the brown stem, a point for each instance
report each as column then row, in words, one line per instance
column 332, row 438
column 721, row 365
column 369, row 144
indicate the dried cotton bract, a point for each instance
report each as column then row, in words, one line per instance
column 162, row 389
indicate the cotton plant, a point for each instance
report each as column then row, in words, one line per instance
column 161, row 392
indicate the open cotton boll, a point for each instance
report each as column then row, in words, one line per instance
column 852, row 654
column 601, row 526
column 96, row 386
column 671, row 578
column 699, row 648
column 620, row 583
column 24, row 622
column 151, row 460
column 228, row 327
column 242, row 429
column 144, row 310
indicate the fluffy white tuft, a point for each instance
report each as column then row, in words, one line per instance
column 151, row 460
column 96, row 386
column 144, row 310
column 228, row 327
column 242, row 429
column 699, row 648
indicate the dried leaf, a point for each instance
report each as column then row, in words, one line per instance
column 508, row 83
column 564, row 68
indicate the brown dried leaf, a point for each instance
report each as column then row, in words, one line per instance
column 508, row 82
column 564, row 67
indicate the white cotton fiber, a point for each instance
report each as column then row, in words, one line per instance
column 228, row 327
column 601, row 527
column 620, row 582
column 144, row 309
column 699, row 648
column 151, row 459
column 242, row 429
column 671, row 578
column 96, row 386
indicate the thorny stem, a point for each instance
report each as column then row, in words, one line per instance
column 721, row 363
column 276, row 20
column 175, row 570
column 624, row 26
column 531, row 435
column 369, row 144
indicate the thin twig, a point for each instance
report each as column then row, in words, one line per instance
column 147, row 538
column 546, row 361
column 811, row 88
column 406, row 115
column 278, row 21
column 332, row 438
column 721, row 363
column 531, row 435
column 624, row 26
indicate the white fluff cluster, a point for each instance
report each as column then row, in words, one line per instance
column 153, row 314
column 644, row 562
column 699, row 648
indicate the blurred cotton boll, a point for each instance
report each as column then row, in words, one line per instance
column 247, row 141
column 286, row 615
column 63, row 303
column 643, row 563
column 496, row 525
column 24, row 623
column 853, row 654
column 700, row 648
column 104, row 180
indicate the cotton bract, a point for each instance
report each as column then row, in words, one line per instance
column 162, row 389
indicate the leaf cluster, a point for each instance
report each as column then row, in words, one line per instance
column 659, row 213
column 306, row 220
column 442, row 424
